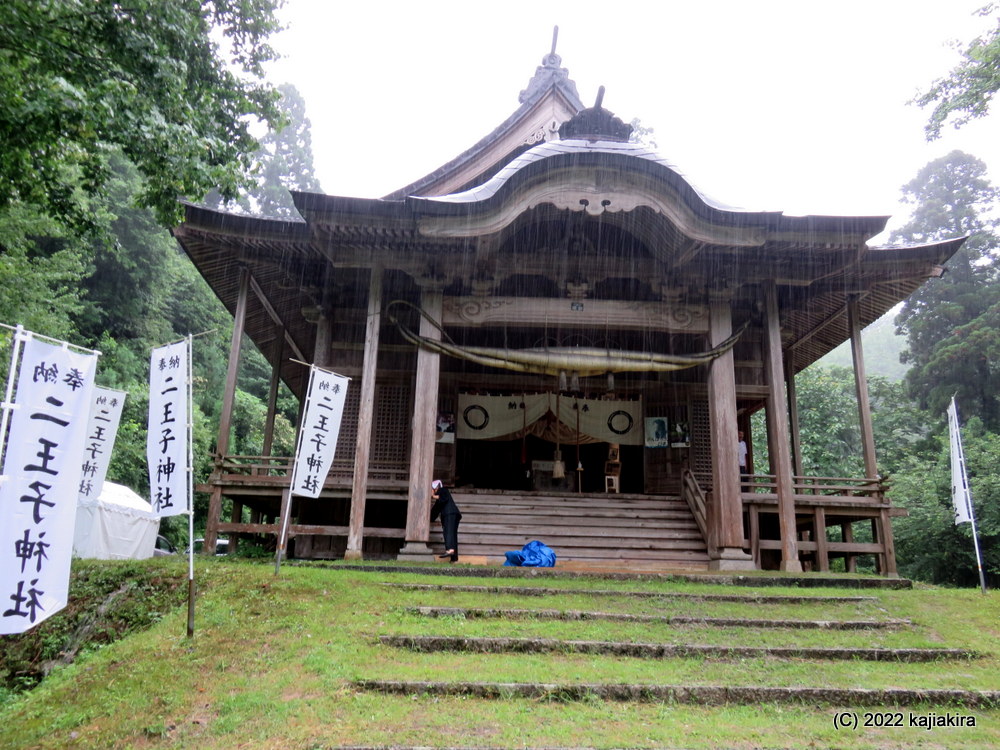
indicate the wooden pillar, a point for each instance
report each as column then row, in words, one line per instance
column 226, row 416
column 861, row 389
column 888, row 544
column 793, row 418
column 777, row 430
column 324, row 339
column 272, row 393
column 847, row 535
column 726, row 518
column 423, row 432
column 366, row 414
column 877, row 538
column 235, row 517
column 884, row 532
column 819, row 534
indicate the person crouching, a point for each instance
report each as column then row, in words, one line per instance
column 444, row 506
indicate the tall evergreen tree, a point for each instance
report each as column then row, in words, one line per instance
column 283, row 162
column 286, row 159
column 953, row 323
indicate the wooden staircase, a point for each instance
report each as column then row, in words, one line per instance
column 636, row 531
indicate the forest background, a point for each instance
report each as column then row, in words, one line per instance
column 108, row 115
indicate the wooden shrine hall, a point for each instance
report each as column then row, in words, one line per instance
column 571, row 335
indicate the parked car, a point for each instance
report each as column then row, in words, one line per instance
column 221, row 546
column 163, row 547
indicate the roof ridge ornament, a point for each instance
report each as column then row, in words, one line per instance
column 548, row 74
column 552, row 60
column 596, row 124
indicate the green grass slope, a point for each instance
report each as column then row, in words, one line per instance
column 276, row 662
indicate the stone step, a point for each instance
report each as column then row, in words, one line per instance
column 613, row 573
column 712, row 695
column 748, row 597
column 668, row 650
column 717, row 622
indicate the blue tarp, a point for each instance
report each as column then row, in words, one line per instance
column 532, row 555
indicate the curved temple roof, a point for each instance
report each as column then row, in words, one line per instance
column 569, row 148
column 521, row 176
column 558, row 172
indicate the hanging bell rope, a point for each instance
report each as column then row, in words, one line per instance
column 558, row 467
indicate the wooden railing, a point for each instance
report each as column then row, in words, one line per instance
column 256, row 466
column 806, row 489
column 271, row 474
column 342, row 472
column 821, row 502
column 691, row 492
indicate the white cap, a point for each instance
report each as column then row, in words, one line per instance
column 437, row 483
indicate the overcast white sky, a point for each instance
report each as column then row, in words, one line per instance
column 797, row 105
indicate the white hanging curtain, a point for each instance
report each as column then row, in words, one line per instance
column 485, row 417
column 489, row 417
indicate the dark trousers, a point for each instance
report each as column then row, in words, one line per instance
column 449, row 524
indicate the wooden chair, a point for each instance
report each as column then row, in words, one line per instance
column 612, row 471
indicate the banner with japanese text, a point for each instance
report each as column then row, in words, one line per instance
column 318, row 432
column 167, row 431
column 961, row 498
column 106, row 407
column 38, row 493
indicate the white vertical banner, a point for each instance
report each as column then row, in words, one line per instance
column 961, row 498
column 167, row 432
column 318, row 431
column 106, row 407
column 41, row 476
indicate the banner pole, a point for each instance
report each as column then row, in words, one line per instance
column 15, row 350
column 190, row 488
column 979, row 557
column 41, row 337
column 972, row 515
column 285, row 512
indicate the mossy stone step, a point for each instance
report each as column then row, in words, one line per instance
column 810, row 580
column 718, row 622
column 540, row 591
column 433, row 643
column 707, row 695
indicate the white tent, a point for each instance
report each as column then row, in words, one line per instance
column 118, row 525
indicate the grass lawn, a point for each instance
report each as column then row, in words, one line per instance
column 273, row 661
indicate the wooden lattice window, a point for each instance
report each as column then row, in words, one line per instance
column 347, row 442
column 391, row 433
column 701, row 439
